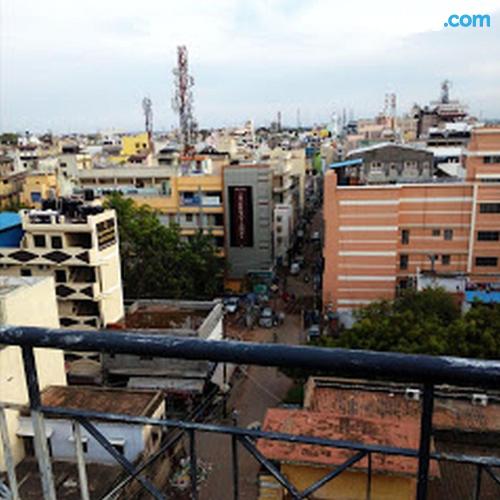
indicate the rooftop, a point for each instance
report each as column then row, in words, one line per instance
column 135, row 403
column 373, row 428
column 9, row 219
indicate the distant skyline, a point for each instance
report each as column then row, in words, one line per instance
column 74, row 66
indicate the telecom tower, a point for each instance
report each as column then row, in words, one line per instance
column 182, row 102
column 147, row 107
column 390, row 109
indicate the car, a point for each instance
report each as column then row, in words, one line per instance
column 266, row 318
column 294, row 268
column 314, row 333
column 231, row 304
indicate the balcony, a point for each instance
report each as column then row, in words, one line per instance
column 429, row 372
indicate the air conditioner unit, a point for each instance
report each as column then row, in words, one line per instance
column 412, row 394
column 479, row 400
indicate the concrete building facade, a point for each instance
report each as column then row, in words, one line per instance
column 78, row 247
column 378, row 237
column 248, row 213
column 26, row 302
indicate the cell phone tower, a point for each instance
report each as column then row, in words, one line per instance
column 147, row 107
column 182, row 102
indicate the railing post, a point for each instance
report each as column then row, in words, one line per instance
column 236, row 486
column 369, row 478
column 40, row 436
column 7, row 456
column 82, row 471
column 193, row 463
column 425, row 441
column 478, row 483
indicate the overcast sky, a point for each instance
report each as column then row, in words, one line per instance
column 85, row 65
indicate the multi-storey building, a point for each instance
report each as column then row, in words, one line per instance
column 77, row 245
column 379, row 237
column 193, row 201
column 26, row 302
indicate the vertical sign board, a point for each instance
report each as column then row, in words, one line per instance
column 241, row 216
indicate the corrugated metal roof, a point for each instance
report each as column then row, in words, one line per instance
column 9, row 219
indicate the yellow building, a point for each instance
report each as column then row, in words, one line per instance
column 135, row 144
column 38, row 186
column 26, row 302
column 193, row 201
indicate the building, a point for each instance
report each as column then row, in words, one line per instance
column 77, row 245
column 132, row 440
column 387, row 163
column 347, row 412
column 248, row 212
column 378, row 237
column 193, row 201
column 38, row 186
column 188, row 380
column 17, row 296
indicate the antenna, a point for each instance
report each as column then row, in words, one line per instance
column 182, row 102
column 445, row 91
column 147, row 107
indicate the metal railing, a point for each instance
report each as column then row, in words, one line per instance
column 426, row 370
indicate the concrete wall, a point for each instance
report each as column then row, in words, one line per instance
column 33, row 303
column 259, row 256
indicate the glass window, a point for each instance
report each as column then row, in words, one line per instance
column 448, row 234
column 489, row 208
column 486, row 261
column 403, row 261
column 26, row 272
column 56, row 242
column 445, row 260
column 405, row 236
column 488, row 235
column 39, row 240
column 436, row 232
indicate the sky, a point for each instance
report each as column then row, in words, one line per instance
column 84, row 66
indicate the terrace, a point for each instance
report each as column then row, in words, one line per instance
column 426, row 371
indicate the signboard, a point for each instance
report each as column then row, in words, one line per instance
column 241, row 216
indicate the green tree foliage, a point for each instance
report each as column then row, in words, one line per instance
column 426, row 322
column 9, row 139
column 156, row 263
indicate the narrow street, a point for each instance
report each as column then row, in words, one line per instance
column 256, row 389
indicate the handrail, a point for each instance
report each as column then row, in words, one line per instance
column 347, row 363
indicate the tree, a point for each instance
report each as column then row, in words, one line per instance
column 425, row 322
column 156, row 263
column 9, row 139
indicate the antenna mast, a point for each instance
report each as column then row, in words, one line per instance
column 182, row 102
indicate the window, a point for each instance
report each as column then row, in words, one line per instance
column 486, row 261
column 60, row 276
column 39, row 240
column 119, row 447
column 436, row 232
column 146, row 358
column 376, row 167
column 448, row 234
column 489, row 208
column 488, row 235
column 189, row 217
column 36, row 196
column 405, row 236
column 25, row 272
column 491, row 159
column 445, row 260
column 403, row 261
column 56, row 242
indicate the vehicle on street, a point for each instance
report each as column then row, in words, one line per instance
column 294, row 268
column 231, row 304
column 266, row 318
column 313, row 333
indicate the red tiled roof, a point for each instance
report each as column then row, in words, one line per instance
column 401, row 432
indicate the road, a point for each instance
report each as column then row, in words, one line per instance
column 258, row 389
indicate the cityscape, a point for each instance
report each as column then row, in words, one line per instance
column 268, row 309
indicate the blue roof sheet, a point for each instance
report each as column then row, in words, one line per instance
column 347, row 163
column 9, row 219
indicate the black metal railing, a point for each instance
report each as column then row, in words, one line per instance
column 426, row 370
